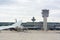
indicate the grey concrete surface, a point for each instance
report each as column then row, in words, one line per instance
column 30, row 35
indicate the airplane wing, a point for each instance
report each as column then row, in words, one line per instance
column 6, row 27
column 12, row 26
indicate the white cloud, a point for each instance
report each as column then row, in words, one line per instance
column 25, row 9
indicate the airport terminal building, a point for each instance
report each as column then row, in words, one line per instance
column 39, row 25
column 35, row 25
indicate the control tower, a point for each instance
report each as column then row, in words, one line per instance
column 45, row 14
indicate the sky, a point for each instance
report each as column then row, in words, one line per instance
column 25, row 9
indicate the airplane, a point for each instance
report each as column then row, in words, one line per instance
column 15, row 26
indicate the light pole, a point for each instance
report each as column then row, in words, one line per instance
column 45, row 14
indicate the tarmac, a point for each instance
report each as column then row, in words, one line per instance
column 30, row 35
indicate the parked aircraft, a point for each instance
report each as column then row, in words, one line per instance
column 15, row 26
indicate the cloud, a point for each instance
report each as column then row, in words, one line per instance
column 29, row 8
column 7, row 2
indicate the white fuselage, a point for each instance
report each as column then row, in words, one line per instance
column 17, row 24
